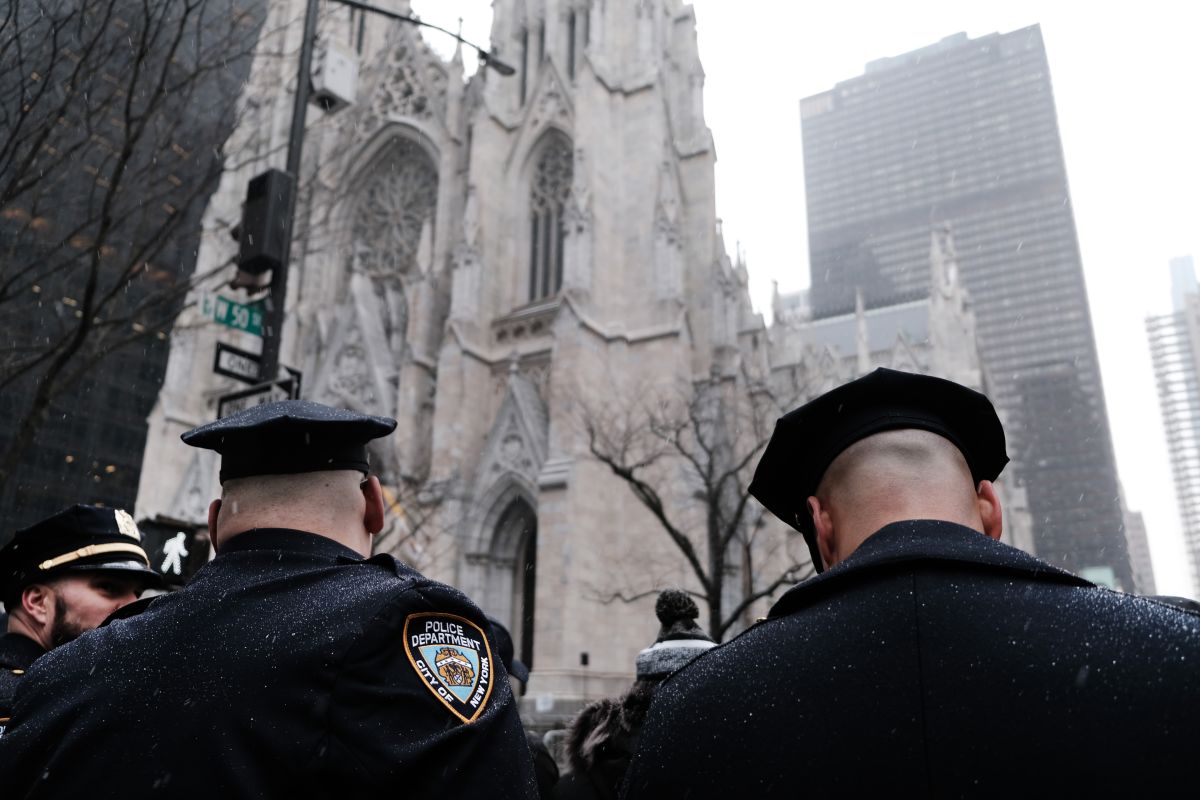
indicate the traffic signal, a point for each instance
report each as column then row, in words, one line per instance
column 263, row 235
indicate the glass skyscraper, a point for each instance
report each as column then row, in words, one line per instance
column 964, row 133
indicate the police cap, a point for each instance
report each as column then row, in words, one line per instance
column 808, row 439
column 81, row 538
column 504, row 644
column 290, row 437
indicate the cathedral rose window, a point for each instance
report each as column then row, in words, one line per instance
column 397, row 200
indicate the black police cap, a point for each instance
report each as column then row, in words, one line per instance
column 290, row 437
column 808, row 439
column 81, row 538
column 504, row 644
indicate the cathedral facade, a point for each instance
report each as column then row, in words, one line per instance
column 489, row 260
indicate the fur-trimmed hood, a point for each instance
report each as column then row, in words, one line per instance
column 601, row 733
column 607, row 730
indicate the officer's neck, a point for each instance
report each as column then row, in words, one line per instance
column 353, row 537
column 20, row 623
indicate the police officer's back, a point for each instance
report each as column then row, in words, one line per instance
column 291, row 665
column 928, row 659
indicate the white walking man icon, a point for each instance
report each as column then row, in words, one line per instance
column 174, row 550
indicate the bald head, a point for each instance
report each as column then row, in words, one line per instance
column 338, row 504
column 893, row 476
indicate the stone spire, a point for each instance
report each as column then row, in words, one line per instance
column 943, row 261
column 861, row 340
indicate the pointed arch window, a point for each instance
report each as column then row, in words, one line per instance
column 571, row 45
column 550, row 190
column 524, row 63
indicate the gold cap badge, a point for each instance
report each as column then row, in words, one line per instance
column 126, row 525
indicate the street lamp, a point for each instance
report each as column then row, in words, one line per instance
column 280, row 190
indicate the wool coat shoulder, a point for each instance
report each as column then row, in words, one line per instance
column 934, row 662
column 282, row 670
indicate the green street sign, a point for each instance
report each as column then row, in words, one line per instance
column 246, row 317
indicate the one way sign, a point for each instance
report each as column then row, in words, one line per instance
column 285, row 389
column 238, row 364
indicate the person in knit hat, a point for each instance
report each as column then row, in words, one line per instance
column 603, row 738
column 679, row 640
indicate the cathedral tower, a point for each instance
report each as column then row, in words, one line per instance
column 482, row 260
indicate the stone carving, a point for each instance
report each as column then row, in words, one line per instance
column 410, row 82
column 577, row 219
column 518, row 440
column 464, row 297
column 525, row 324
column 513, row 455
column 470, row 223
column 668, row 243
column 666, row 213
column 551, row 106
column 943, row 260
column 538, row 374
column 349, row 376
column 578, row 215
column 358, row 363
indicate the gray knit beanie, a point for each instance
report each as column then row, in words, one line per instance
column 679, row 640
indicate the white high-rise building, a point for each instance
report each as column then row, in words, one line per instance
column 1175, row 349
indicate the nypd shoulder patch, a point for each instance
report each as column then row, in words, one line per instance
column 452, row 656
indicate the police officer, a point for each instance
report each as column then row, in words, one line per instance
column 64, row 576
column 927, row 658
column 294, row 664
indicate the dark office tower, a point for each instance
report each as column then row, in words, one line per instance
column 112, row 118
column 964, row 132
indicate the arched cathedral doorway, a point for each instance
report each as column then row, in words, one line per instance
column 514, row 552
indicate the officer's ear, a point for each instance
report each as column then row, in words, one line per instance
column 823, row 525
column 990, row 513
column 373, row 494
column 37, row 601
column 214, row 510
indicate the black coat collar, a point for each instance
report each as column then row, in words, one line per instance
column 18, row 651
column 923, row 540
column 289, row 540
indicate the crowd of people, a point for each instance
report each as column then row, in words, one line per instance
column 926, row 658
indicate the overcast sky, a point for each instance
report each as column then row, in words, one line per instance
column 1126, row 88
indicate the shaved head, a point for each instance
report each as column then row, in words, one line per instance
column 342, row 505
column 286, row 494
column 897, row 475
column 909, row 464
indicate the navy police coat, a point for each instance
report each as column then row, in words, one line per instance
column 288, row 667
column 934, row 662
column 17, row 654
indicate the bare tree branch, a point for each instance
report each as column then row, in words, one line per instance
column 624, row 597
column 112, row 118
column 687, row 458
